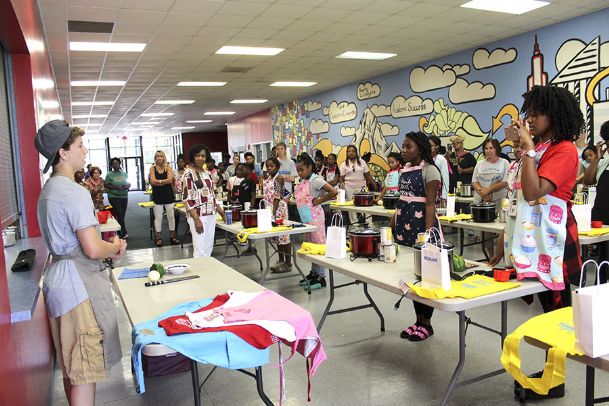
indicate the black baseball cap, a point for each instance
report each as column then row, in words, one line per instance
column 50, row 138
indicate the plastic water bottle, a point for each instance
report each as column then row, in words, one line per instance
column 591, row 195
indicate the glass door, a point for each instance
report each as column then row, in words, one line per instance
column 133, row 166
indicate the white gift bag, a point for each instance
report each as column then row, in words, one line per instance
column 336, row 238
column 450, row 205
column 340, row 198
column 435, row 268
column 264, row 216
column 590, row 319
column 582, row 211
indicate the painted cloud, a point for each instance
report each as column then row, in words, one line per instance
column 422, row 80
column 347, row 131
column 572, row 47
column 319, row 126
column 368, row 90
column 482, row 59
column 389, row 130
column 325, row 111
column 459, row 70
column 413, row 106
column 340, row 112
column 312, row 105
column 463, row 92
column 380, row 110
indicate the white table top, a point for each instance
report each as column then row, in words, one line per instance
column 497, row 227
column 145, row 303
column 601, row 363
column 386, row 277
column 236, row 228
column 110, row 225
column 375, row 210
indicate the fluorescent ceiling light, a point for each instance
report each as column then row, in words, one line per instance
column 248, row 101
column 43, row 83
column 510, row 7
column 218, row 113
column 174, row 102
column 232, row 50
column 198, row 121
column 89, row 116
column 197, row 84
column 145, row 123
column 49, row 104
column 107, row 46
column 156, row 114
column 378, row 56
column 293, row 84
column 94, row 83
column 93, row 103
column 182, row 128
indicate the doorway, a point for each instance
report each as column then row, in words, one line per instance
column 134, row 168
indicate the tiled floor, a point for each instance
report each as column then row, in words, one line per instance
column 364, row 366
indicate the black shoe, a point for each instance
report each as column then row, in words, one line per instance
column 529, row 394
column 317, row 282
column 309, row 278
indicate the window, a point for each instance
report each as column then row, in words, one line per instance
column 9, row 206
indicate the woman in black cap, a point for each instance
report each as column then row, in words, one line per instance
column 77, row 294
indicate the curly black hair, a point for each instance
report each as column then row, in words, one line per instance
column 561, row 108
column 397, row 156
column 605, row 131
column 423, row 144
column 195, row 149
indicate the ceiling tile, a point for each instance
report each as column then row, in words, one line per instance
column 101, row 14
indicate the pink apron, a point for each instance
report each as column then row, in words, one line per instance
column 310, row 214
column 269, row 194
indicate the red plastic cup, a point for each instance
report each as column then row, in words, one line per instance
column 502, row 275
column 596, row 224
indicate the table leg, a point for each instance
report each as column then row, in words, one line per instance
column 260, row 387
column 589, row 385
column 295, row 261
column 194, row 372
column 503, row 322
column 461, row 241
column 330, row 301
column 268, row 262
column 374, row 306
column 459, row 367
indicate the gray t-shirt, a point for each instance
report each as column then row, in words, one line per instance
column 430, row 173
column 287, row 167
column 487, row 174
column 63, row 208
column 317, row 186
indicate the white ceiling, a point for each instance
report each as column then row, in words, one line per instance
column 182, row 36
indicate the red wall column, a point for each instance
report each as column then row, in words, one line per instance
column 26, row 125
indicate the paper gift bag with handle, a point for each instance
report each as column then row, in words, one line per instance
column 450, row 205
column 435, row 268
column 582, row 211
column 336, row 238
column 590, row 306
column 264, row 215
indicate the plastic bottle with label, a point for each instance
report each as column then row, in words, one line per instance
column 591, row 195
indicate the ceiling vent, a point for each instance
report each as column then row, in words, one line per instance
column 90, row 26
column 235, row 69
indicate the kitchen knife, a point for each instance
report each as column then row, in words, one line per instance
column 184, row 278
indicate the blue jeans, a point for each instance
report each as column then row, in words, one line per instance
column 319, row 270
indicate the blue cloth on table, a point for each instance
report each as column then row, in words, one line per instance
column 134, row 273
column 222, row 348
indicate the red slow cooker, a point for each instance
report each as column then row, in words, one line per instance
column 363, row 198
column 236, row 210
column 249, row 218
column 364, row 241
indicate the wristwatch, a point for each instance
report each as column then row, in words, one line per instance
column 531, row 153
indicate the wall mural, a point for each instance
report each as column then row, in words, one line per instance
column 473, row 93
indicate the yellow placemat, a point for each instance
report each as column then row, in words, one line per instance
column 555, row 329
column 314, row 249
column 349, row 203
column 146, row 204
column 595, row 232
column 474, row 286
column 456, row 217
column 179, row 205
column 243, row 234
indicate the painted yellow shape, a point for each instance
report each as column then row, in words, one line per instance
column 364, row 147
column 379, row 161
column 422, row 122
column 325, row 146
column 508, row 109
column 590, row 99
